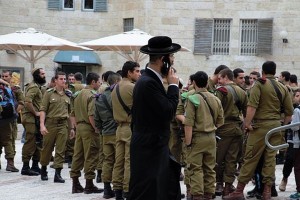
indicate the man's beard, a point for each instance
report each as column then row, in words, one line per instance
column 39, row 80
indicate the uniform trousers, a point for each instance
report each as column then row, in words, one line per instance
column 86, row 151
column 10, row 148
column 121, row 171
column 101, row 155
column 175, row 143
column 70, row 147
column 201, row 161
column 227, row 155
column 30, row 149
column 109, row 150
column 56, row 138
column 256, row 147
column 5, row 135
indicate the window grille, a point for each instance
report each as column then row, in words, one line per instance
column 128, row 24
column 221, row 36
column 249, row 37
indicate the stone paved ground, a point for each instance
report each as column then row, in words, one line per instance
column 14, row 186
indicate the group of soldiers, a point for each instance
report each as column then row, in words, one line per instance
column 220, row 124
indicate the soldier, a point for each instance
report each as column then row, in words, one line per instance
column 71, row 78
column 234, row 102
column 263, row 113
column 122, row 103
column 107, row 126
column 30, row 116
column 213, row 80
column 200, row 137
column 86, row 147
column 76, row 86
column 101, row 89
column 254, row 75
column 54, row 116
column 10, row 150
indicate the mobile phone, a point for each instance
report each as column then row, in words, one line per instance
column 166, row 65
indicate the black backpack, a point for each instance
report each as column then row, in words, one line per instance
column 7, row 103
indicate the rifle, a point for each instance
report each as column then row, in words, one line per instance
column 38, row 134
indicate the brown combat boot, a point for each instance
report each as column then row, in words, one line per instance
column 267, row 192
column 238, row 194
column 197, row 197
column 91, row 188
column 227, row 189
column 11, row 166
column 76, row 187
column 208, row 196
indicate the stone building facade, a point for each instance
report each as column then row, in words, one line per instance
column 218, row 38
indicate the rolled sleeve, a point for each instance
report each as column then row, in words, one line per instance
column 255, row 94
column 45, row 102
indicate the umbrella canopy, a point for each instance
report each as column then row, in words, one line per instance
column 126, row 44
column 35, row 44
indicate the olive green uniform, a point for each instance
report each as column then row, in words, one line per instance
column 86, row 147
column 267, row 116
column 105, row 122
column 201, row 156
column 70, row 142
column 230, row 133
column 33, row 95
column 10, row 149
column 121, row 172
column 57, row 108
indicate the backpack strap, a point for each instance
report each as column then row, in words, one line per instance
column 279, row 95
column 127, row 110
column 210, row 109
column 236, row 98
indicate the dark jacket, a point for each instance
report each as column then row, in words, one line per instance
column 150, row 164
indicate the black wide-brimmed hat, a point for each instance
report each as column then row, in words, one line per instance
column 160, row 45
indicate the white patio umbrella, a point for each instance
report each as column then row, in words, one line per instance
column 126, row 44
column 33, row 45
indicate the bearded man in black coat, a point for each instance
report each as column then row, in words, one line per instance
column 154, row 174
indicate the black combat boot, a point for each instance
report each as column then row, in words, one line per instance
column 76, row 187
column 57, row 176
column 119, row 194
column 108, row 193
column 27, row 171
column 44, row 173
column 35, row 167
column 98, row 178
column 91, row 188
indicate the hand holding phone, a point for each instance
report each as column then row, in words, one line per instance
column 171, row 77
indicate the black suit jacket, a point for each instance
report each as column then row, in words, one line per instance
column 152, row 111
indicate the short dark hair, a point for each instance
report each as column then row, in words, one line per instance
column 113, row 78
column 226, row 72
column 293, row 78
column 247, row 80
column 37, row 72
column 269, row 67
column 106, row 75
column 71, row 74
column 92, row 77
column 220, row 68
column 200, row 78
column 78, row 76
column 129, row 66
column 59, row 73
column 286, row 75
column 7, row 71
column 255, row 73
column 237, row 71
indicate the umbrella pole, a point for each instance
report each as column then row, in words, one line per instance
column 31, row 58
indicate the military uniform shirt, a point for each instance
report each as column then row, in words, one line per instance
column 264, row 98
column 199, row 117
column 56, row 105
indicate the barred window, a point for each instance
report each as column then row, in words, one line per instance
column 249, row 37
column 68, row 4
column 128, row 24
column 221, row 38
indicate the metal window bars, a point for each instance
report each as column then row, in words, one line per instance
column 249, row 37
column 221, row 36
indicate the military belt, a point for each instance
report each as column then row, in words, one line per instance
column 57, row 120
column 202, row 133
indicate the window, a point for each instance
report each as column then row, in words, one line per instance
column 88, row 4
column 212, row 36
column 221, row 36
column 68, row 4
column 256, row 36
column 128, row 24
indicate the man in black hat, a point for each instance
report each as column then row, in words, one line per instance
column 154, row 174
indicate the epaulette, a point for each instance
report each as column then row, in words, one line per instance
column 194, row 99
column 68, row 93
column 223, row 90
column 76, row 94
column 262, row 80
column 50, row 89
